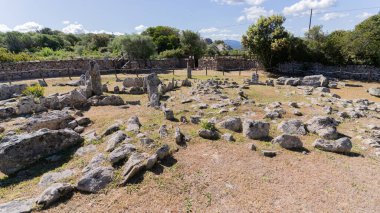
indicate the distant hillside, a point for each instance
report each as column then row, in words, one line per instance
column 234, row 44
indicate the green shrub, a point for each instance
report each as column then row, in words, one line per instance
column 35, row 91
column 208, row 125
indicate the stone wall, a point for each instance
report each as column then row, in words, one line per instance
column 353, row 72
column 227, row 63
column 77, row 67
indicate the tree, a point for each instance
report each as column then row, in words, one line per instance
column 269, row 40
column 13, row 41
column 365, row 41
column 134, row 46
column 335, row 47
column 165, row 38
column 192, row 44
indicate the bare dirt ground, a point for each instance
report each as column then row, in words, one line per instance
column 217, row 176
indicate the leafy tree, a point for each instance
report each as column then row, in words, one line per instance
column 134, row 46
column 165, row 38
column 14, row 42
column 192, row 44
column 268, row 39
column 365, row 41
column 335, row 48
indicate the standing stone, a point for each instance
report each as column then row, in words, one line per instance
column 163, row 131
column 188, row 69
column 94, row 82
column 116, row 90
column 255, row 78
column 151, row 83
column 105, row 88
column 169, row 114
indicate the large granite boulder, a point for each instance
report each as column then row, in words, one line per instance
column 53, row 120
column 20, row 151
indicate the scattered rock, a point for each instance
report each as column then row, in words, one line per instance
column 292, row 127
column 122, row 152
column 169, row 114
column 53, row 120
column 163, row 131
column 208, row 134
column 133, row 124
column 83, row 121
column 86, row 150
column 114, row 140
column 288, row 141
column 269, row 153
column 255, row 129
column 134, row 165
column 163, row 152
column 18, row 206
column 233, row 124
column 374, row 91
column 342, row 145
column 97, row 161
column 20, row 151
column 228, row 137
column 95, row 180
column 54, row 177
column 53, row 194
column 180, row 138
column 323, row 126
column 111, row 129
column 195, row 119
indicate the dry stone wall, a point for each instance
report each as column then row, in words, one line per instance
column 76, row 67
column 227, row 63
column 353, row 72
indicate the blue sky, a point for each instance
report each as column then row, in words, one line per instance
column 218, row 19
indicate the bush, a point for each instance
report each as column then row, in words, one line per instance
column 177, row 53
column 208, row 125
column 35, row 91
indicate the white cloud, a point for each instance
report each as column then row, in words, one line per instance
column 65, row 22
column 304, row 5
column 28, row 27
column 213, row 30
column 4, row 28
column 253, row 13
column 139, row 29
column 235, row 2
column 364, row 15
column 331, row 16
column 106, row 32
column 224, row 36
column 74, row 29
